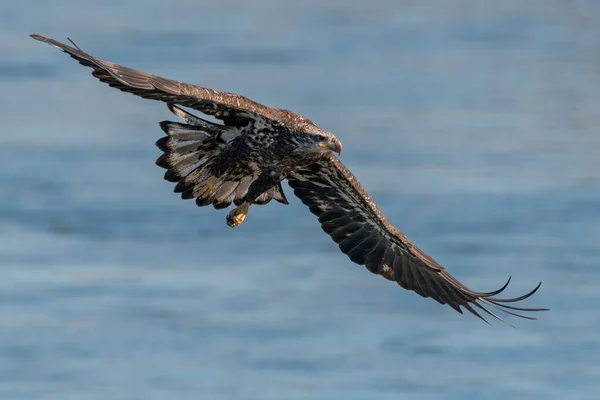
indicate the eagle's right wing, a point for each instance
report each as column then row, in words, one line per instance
column 351, row 218
column 233, row 109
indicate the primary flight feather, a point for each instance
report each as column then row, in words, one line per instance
column 244, row 159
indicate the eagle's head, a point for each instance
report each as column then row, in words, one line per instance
column 326, row 142
column 314, row 139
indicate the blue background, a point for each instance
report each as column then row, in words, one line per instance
column 474, row 125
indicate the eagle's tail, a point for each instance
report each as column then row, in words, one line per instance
column 189, row 151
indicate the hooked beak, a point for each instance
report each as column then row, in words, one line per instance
column 333, row 145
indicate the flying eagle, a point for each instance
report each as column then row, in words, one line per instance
column 245, row 158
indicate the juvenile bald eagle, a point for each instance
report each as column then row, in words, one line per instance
column 245, row 158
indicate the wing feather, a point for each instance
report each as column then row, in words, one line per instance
column 351, row 218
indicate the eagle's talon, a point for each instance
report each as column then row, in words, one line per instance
column 237, row 215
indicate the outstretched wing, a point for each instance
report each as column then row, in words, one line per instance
column 232, row 109
column 349, row 216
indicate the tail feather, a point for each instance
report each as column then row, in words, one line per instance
column 180, row 168
column 191, row 184
column 205, row 195
column 224, row 193
column 190, row 150
column 242, row 189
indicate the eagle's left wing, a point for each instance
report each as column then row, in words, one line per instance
column 351, row 218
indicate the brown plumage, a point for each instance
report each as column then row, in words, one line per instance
column 245, row 159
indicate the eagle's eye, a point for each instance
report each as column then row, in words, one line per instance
column 320, row 138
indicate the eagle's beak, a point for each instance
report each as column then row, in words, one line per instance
column 333, row 145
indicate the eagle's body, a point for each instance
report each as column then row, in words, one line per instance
column 245, row 158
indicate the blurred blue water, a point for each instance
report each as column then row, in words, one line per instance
column 474, row 126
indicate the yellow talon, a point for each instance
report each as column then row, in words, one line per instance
column 237, row 215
